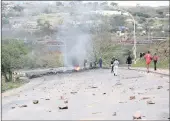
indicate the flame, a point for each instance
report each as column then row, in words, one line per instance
column 77, row 68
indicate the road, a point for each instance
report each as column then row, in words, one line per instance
column 99, row 95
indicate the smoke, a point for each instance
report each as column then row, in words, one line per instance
column 78, row 21
column 75, row 32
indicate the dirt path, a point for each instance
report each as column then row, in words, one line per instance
column 110, row 95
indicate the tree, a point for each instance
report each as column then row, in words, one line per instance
column 114, row 4
column 18, row 8
column 13, row 52
column 103, row 3
column 44, row 27
column 160, row 13
column 59, row 4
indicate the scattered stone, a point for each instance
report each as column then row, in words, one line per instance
column 159, row 87
column 118, row 83
column 93, row 87
column 25, row 95
column 49, row 111
column 144, row 98
column 104, row 93
column 137, row 115
column 23, row 106
column 93, row 94
column 65, row 107
column 35, row 101
column 122, row 102
column 96, row 112
column 150, row 102
column 114, row 114
column 131, row 88
column 73, row 92
column 61, row 97
column 132, row 97
column 66, row 101
column 12, row 107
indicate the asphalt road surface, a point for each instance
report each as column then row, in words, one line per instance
column 91, row 95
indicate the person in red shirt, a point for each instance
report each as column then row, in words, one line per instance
column 155, row 59
column 148, row 59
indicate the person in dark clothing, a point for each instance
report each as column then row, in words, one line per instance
column 129, row 61
column 155, row 59
column 100, row 62
column 85, row 63
column 141, row 55
column 112, row 66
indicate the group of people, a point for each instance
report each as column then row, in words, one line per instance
column 115, row 63
column 148, row 58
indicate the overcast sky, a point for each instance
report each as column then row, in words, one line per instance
column 143, row 3
column 124, row 3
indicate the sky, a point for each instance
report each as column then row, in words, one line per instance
column 142, row 3
column 128, row 3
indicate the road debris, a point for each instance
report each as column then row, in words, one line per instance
column 144, row 98
column 137, row 116
column 132, row 97
column 150, row 102
column 159, row 87
column 131, row 88
column 23, row 106
column 73, row 92
column 66, row 101
column 35, row 101
column 104, row 93
column 62, row 108
column 122, row 102
column 93, row 87
column 96, row 112
column 93, row 94
column 47, row 99
column 12, row 107
column 114, row 114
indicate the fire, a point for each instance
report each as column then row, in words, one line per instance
column 77, row 68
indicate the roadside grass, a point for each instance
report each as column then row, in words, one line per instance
column 10, row 85
column 163, row 64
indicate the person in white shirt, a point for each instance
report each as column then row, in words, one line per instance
column 116, row 65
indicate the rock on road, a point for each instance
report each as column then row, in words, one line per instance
column 93, row 94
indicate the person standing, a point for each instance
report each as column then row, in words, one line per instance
column 112, row 65
column 129, row 61
column 100, row 62
column 116, row 65
column 155, row 59
column 148, row 59
column 85, row 63
column 141, row 55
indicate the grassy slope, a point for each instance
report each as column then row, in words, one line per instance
column 163, row 61
column 163, row 64
column 10, row 85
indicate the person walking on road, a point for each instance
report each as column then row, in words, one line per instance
column 148, row 59
column 129, row 61
column 155, row 59
column 116, row 65
column 100, row 62
column 112, row 65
